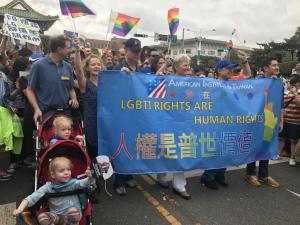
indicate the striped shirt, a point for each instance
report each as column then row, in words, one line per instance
column 292, row 111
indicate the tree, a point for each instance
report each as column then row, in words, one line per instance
column 45, row 39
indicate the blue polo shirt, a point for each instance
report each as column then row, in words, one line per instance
column 51, row 83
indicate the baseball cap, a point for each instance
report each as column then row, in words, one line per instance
column 224, row 63
column 133, row 44
column 34, row 57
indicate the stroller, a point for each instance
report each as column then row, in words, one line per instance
column 70, row 149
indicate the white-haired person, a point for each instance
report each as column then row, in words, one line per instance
column 181, row 67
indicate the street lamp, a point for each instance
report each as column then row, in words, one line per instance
column 200, row 41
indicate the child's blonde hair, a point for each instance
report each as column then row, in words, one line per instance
column 59, row 119
column 58, row 161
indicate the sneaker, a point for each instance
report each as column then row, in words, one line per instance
column 253, row 180
column 12, row 168
column 183, row 194
column 120, row 190
column 269, row 181
column 292, row 162
column 5, row 176
column 213, row 185
column 131, row 183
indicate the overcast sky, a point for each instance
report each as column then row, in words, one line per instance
column 254, row 20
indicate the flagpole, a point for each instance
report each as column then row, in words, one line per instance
column 169, row 43
column 75, row 30
column 71, row 20
column 109, row 21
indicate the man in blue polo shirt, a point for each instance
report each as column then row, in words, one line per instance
column 51, row 83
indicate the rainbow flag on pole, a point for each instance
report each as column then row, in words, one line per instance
column 75, row 8
column 123, row 24
column 173, row 20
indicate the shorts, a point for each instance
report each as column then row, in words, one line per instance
column 290, row 131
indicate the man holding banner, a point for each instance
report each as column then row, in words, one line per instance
column 213, row 178
column 271, row 70
column 128, row 64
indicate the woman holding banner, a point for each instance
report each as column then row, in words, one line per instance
column 181, row 67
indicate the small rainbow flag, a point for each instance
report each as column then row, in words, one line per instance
column 173, row 20
column 75, row 8
column 123, row 24
column 26, row 217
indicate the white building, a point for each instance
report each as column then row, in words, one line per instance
column 209, row 47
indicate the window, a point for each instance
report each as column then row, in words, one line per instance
column 211, row 52
column 188, row 51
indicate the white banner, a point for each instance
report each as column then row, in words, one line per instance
column 21, row 29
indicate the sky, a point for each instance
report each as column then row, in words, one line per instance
column 256, row 21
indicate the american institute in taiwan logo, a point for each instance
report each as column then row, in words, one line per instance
column 157, row 88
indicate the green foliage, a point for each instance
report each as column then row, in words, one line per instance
column 206, row 61
column 286, row 52
column 286, row 67
column 45, row 43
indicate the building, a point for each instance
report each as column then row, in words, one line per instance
column 114, row 44
column 209, row 47
column 20, row 8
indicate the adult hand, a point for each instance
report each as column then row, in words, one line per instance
column 37, row 115
column 79, row 138
column 125, row 69
column 280, row 127
column 76, row 43
column 242, row 56
column 74, row 103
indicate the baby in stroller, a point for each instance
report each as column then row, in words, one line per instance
column 62, row 126
column 63, row 210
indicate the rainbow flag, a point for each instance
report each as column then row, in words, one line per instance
column 26, row 217
column 75, row 8
column 173, row 20
column 123, row 24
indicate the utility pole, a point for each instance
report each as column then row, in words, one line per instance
column 182, row 42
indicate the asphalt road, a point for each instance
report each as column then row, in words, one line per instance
column 239, row 204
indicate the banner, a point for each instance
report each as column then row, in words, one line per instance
column 70, row 35
column 152, row 124
column 21, row 29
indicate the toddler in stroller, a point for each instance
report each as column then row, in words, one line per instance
column 63, row 210
column 62, row 126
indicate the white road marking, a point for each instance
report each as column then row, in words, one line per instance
column 294, row 193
